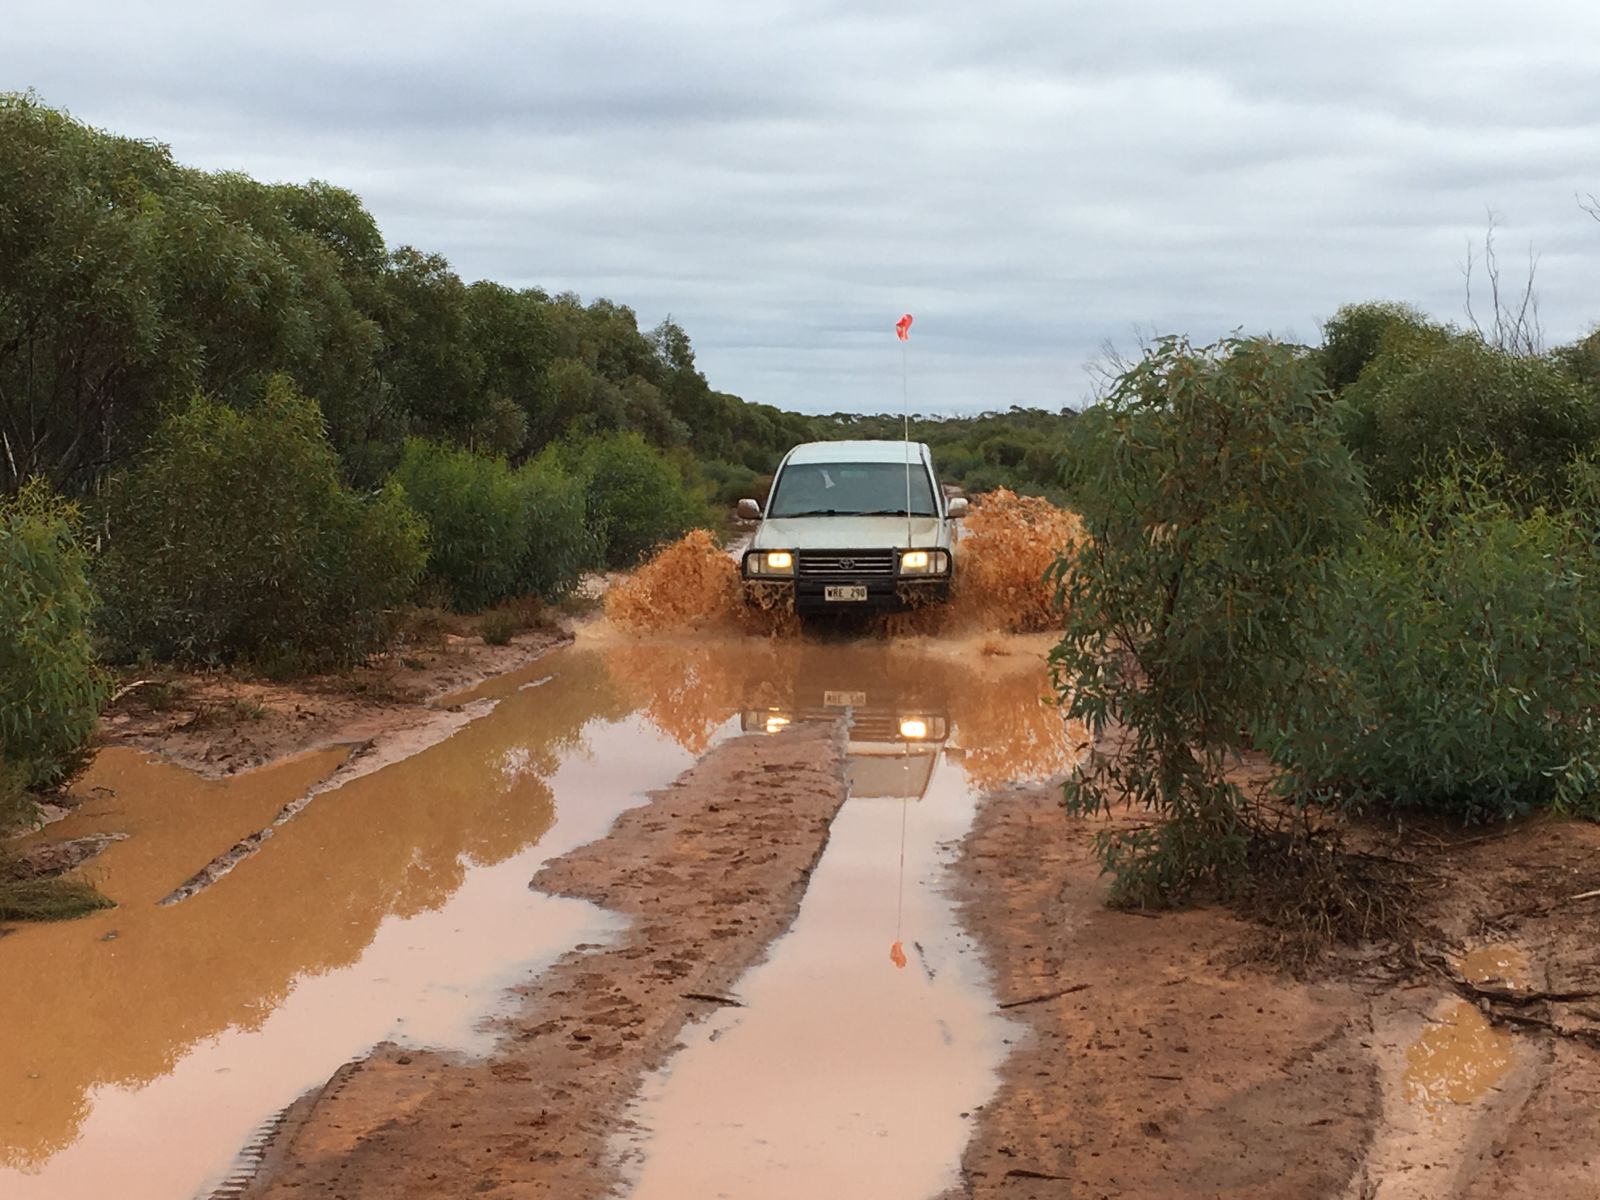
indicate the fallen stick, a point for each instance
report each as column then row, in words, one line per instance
column 713, row 998
column 128, row 687
column 1066, row 991
column 1588, row 1037
column 1538, row 910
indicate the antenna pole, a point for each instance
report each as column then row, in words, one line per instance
column 905, row 406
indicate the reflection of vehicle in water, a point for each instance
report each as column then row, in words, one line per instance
column 895, row 734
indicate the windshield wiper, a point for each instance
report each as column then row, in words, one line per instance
column 891, row 512
column 812, row 512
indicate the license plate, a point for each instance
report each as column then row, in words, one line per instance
column 844, row 699
column 844, row 592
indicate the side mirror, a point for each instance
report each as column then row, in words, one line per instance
column 957, row 507
column 749, row 510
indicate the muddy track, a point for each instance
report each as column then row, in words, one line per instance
column 1153, row 1067
column 710, row 871
column 1164, row 1075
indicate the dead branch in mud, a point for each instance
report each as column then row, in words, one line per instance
column 713, row 998
column 1498, row 994
column 1506, row 1006
column 1055, row 995
column 1584, row 1037
column 1540, row 909
column 1310, row 890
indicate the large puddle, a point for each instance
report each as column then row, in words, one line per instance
column 142, row 1046
column 869, row 1037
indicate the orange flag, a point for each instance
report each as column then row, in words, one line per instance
column 897, row 955
column 902, row 328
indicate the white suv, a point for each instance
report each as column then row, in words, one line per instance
column 852, row 526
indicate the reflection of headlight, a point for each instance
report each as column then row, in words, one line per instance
column 770, row 562
column 776, row 722
column 924, row 562
column 913, row 727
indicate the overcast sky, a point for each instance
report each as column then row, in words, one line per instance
column 785, row 179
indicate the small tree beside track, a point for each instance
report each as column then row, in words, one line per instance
column 1215, row 494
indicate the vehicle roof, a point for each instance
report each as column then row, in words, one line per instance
column 859, row 451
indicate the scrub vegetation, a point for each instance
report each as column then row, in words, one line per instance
column 1374, row 560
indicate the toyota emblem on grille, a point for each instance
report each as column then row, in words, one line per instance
column 847, row 564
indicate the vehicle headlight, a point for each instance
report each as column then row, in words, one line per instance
column 924, row 562
column 913, row 728
column 770, row 562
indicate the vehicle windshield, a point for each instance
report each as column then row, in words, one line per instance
column 851, row 489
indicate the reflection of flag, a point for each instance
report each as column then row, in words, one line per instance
column 902, row 328
column 897, row 955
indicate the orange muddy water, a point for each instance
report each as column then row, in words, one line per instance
column 1460, row 1055
column 142, row 1046
column 869, row 1036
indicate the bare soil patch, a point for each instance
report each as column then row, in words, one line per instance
column 710, row 871
column 1156, row 1064
column 220, row 723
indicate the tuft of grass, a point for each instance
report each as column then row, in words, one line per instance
column 164, row 696
column 430, row 626
column 45, row 899
column 498, row 626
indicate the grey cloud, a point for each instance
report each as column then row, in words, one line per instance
column 786, row 178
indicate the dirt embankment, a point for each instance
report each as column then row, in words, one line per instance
column 221, row 723
column 710, row 871
column 1155, row 1066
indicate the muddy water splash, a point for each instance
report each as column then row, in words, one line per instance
column 691, row 584
column 1006, row 546
column 869, row 1036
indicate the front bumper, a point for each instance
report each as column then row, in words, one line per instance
column 809, row 594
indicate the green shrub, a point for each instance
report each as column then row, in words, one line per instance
column 476, row 520
column 1458, row 670
column 1215, row 491
column 50, row 689
column 498, row 627
column 559, row 544
column 233, row 536
column 636, row 498
column 496, row 533
column 729, row 483
column 1355, row 335
column 1425, row 405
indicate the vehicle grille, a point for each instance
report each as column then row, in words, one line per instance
column 854, row 563
column 874, row 726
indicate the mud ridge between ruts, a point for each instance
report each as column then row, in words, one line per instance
column 366, row 757
column 710, row 871
column 407, row 730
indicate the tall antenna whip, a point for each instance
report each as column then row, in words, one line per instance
column 902, row 330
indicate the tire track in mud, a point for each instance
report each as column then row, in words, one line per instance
column 711, row 871
column 364, row 758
